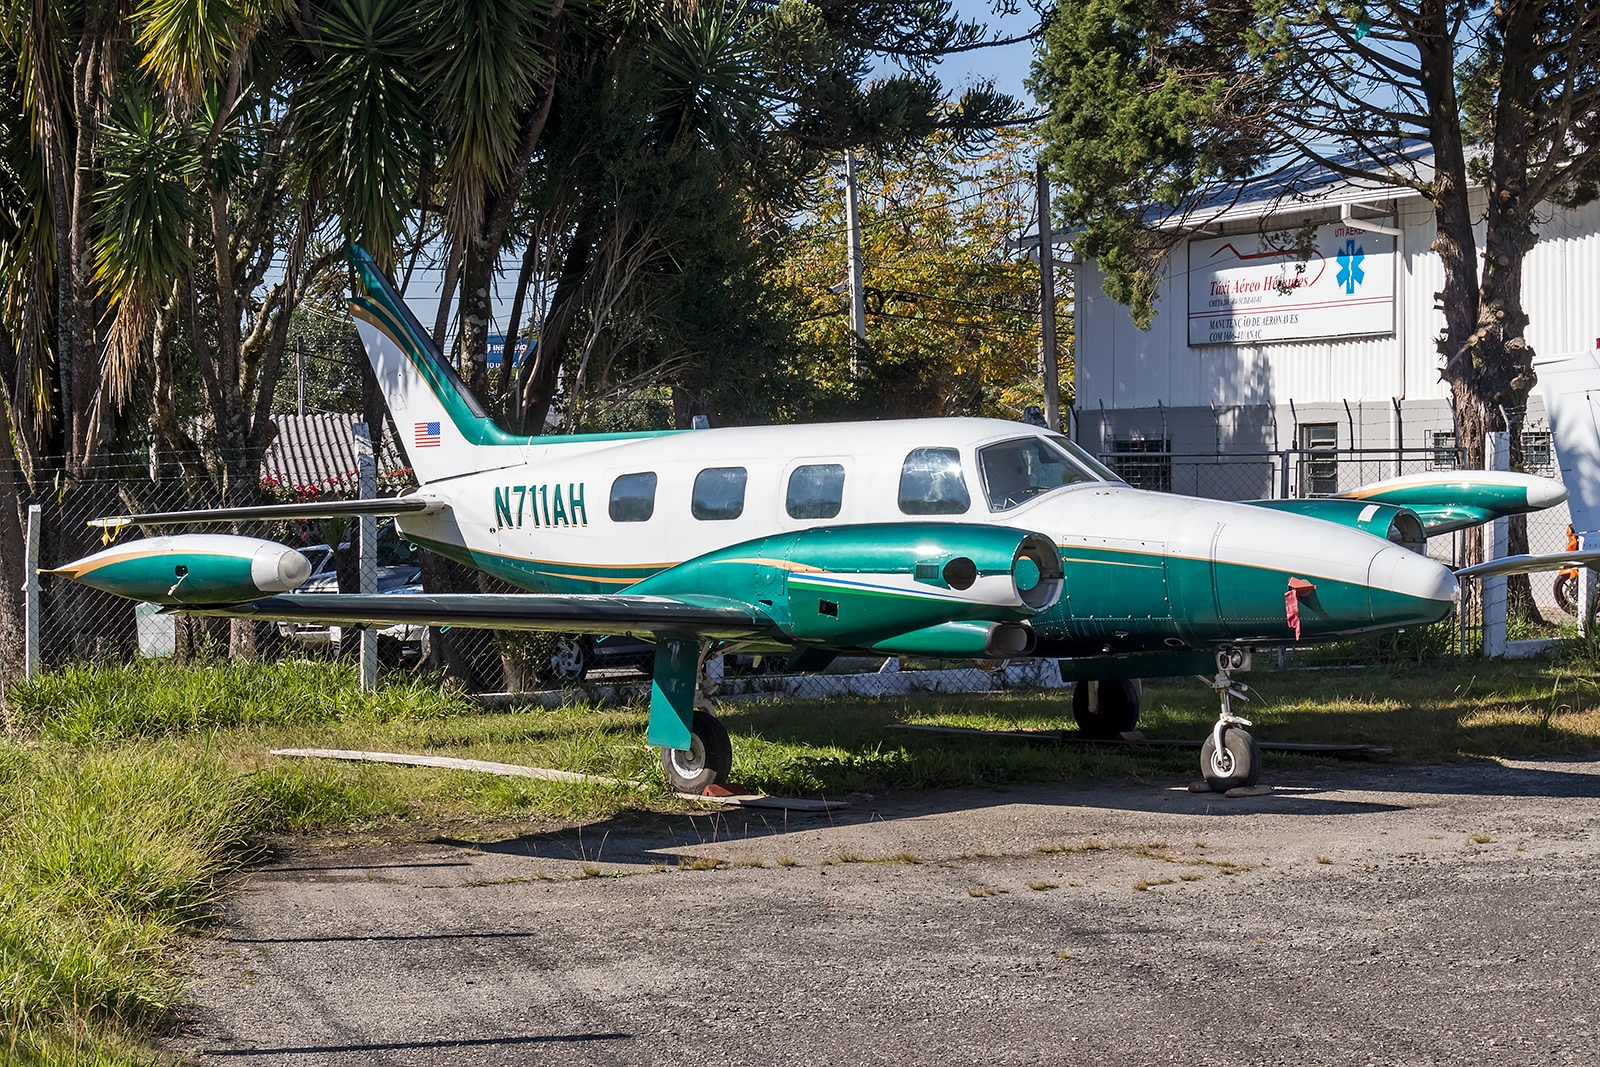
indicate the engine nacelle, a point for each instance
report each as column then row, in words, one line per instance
column 858, row 586
column 192, row 570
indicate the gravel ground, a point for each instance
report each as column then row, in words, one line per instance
column 1415, row 915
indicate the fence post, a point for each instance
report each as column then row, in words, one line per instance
column 1283, row 475
column 1586, row 589
column 30, row 609
column 1496, row 457
column 367, row 548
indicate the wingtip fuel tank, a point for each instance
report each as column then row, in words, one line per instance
column 191, row 570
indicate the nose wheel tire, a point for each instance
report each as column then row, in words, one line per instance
column 709, row 760
column 1112, row 710
column 1237, row 764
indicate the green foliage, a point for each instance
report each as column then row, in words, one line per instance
column 1141, row 95
column 483, row 61
column 146, row 207
column 952, row 307
column 361, row 107
column 1157, row 107
column 103, row 859
column 91, row 704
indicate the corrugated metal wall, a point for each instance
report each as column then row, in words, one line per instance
column 1123, row 367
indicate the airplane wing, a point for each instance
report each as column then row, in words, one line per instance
column 1445, row 501
column 611, row 613
column 397, row 505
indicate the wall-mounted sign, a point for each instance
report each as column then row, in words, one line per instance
column 1255, row 288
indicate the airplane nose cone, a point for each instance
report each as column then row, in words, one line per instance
column 1409, row 589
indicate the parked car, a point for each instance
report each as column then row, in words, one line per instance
column 578, row 654
column 398, row 573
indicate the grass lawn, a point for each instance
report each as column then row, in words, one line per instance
column 127, row 794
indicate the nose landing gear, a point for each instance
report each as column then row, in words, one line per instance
column 1230, row 757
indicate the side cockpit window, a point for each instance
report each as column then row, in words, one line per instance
column 719, row 493
column 931, row 483
column 633, row 497
column 816, row 491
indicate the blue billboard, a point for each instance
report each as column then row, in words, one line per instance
column 497, row 349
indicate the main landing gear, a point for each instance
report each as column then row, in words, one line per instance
column 1230, row 757
column 695, row 750
column 1105, row 710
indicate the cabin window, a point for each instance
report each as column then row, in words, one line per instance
column 931, row 483
column 1019, row 470
column 719, row 493
column 633, row 497
column 816, row 491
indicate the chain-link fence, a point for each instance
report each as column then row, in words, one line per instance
column 80, row 624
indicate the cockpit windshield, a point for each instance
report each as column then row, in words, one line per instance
column 1015, row 471
column 1098, row 469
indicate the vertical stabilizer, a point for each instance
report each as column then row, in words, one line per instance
column 443, row 428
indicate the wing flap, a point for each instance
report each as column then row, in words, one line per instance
column 398, row 505
column 590, row 613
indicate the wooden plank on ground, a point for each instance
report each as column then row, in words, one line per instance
column 451, row 763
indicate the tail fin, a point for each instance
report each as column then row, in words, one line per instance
column 442, row 426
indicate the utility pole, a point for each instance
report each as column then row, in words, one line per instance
column 1047, row 306
column 300, row 377
column 852, row 218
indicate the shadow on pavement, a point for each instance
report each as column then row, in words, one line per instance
column 443, row 1043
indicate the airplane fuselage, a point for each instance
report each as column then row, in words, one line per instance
column 1145, row 571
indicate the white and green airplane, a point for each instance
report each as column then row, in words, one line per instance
column 928, row 537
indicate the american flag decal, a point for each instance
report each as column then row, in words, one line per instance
column 427, row 435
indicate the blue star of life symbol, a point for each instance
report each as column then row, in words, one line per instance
column 1350, row 272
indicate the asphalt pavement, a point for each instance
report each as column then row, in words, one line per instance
column 1380, row 915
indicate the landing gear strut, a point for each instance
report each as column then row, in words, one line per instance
column 694, row 745
column 1230, row 757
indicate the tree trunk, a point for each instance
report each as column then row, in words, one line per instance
column 480, row 254
column 537, row 388
column 530, row 258
column 477, row 306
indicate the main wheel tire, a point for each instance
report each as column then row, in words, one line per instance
column 1567, row 593
column 1117, row 711
column 708, row 761
column 1237, row 765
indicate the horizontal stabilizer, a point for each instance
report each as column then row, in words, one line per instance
column 551, row 612
column 327, row 509
column 1553, row 561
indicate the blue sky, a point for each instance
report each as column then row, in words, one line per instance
column 1008, row 66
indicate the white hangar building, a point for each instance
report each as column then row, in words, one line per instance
column 1263, row 375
